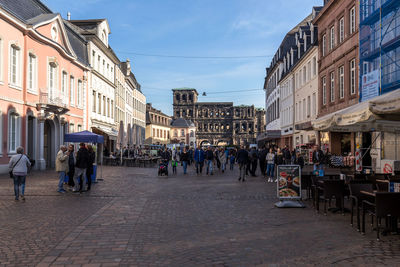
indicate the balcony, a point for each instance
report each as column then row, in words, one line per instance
column 52, row 101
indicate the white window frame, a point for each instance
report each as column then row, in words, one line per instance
column 308, row 70
column 353, row 76
column 17, row 141
column 32, row 73
column 18, row 65
column 79, row 93
column 94, row 96
column 324, row 90
column 341, row 30
column 332, row 38
column 332, row 86
column 352, row 19
column 64, row 83
column 52, row 77
column 71, row 128
column 324, row 45
column 314, row 60
column 314, row 104
column 341, row 82
column 72, row 90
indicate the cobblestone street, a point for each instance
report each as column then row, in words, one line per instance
column 134, row 218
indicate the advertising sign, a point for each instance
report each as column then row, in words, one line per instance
column 394, row 187
column 370, row 85
column 289, row 182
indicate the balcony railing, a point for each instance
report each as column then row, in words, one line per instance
column 53, row 97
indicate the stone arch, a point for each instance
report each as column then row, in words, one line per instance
column 205, row 143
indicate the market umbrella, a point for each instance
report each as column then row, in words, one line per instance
column 128, row 134
column 133, row 135
column 120, row 138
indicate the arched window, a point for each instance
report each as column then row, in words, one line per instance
column 184, row 97
column 191, row 133
column 178, row 97
column 190, row 97
column 14, row 131
column 182, row 133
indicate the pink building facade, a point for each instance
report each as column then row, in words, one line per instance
column 43, row 80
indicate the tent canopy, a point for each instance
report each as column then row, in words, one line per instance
column 85, row 137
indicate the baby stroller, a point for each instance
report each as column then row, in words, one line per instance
column 163, row 168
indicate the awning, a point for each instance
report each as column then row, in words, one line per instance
column 112, row 135
column 360, row 117
column 389, row 104
column 269, row 135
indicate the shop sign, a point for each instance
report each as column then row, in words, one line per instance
column 370, row 85
column 289, row 182
column 387, row 166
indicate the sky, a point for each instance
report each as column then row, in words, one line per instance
column 214, row 31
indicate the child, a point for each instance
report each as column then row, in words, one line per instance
column 174, row 164
column 231, row 161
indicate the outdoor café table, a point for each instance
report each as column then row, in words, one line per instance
column 393, row 223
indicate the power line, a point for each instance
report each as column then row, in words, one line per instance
column 208, row 92
column 194, row 57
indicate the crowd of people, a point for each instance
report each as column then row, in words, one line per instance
column 248, row 159
column 78, row 166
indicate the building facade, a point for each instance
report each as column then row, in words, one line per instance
column 338, row 68
column 217, row 123
column 183, row 132
column 44, row 76
column 101, row 95
column 158, row 126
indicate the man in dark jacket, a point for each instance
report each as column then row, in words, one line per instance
column 287, row 156
column 199, row 159
column 82, row 159
column 254, row 160
column 242, row 159
column 71, row 165
column 210, row 159
column 318, row 158
column 89, row 170
column 262, row 158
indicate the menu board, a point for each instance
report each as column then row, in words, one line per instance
column 289, row 181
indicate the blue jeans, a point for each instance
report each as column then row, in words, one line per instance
column 209, row 166
column 270, row 170
column 184, row 163
column 19, row 181
column 231, row 166
column 61, row 181
column 199, row 166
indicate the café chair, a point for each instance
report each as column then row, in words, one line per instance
column 333, row 189
column 386, row 204
column 356, row 197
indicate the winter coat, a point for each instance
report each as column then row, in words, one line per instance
column 82, row 158
column 222, row 157
column 242, row 156
column 199, row 155
column 62, row 162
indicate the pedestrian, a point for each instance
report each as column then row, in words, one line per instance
column 217, row 159
column 270, row 159
column 294, row 155
column 71, row 166
column 18, row 166
column 279, row 160
column 286, row 156
column 82, row 158
column 166, row 157
column 222, row 158
column 299, row 160
column 232, row 160
column 185, row 159
column 199, row 159
column 248, row 163
column 62, row 167
column 254, row 160
column 190, row 152
column 318, row 158
column 209, row 155
column 242, row 159
column 89, row 170
column 262, row 159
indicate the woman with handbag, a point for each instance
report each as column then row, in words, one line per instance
column 18, row 166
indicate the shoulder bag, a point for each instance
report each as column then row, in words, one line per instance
column 11, row 172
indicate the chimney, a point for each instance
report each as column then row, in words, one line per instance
column 128, row 67
column 69, row 15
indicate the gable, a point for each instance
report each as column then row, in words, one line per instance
column 52, row 27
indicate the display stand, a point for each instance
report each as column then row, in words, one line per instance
column 289, row 186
